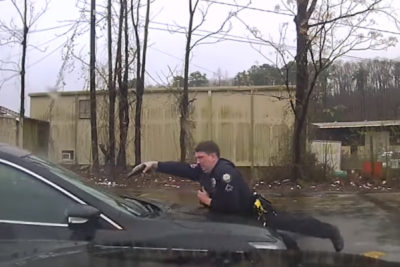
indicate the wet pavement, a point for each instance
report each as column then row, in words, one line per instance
column 369, row 222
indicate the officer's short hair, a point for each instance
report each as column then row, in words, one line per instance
column 207, row 147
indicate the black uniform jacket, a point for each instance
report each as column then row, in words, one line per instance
column 225, row 185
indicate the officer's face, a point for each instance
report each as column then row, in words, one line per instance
column 206, row 161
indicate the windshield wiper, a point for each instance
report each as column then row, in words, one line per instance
column 130, row 209
column 146, row 206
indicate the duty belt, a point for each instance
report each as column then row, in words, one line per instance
column 262, row 207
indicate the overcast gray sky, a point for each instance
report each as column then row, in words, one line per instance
column 166, row 50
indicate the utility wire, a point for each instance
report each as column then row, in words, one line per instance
column 180, row 30
column 251, row 8
column 41, row 30
column 234, row 38
column 46, row 56
column 39, row 45
column 289, row 14
column 52, row 28
column 181, row 59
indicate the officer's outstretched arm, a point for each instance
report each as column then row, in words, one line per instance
column 180, row 169
column 169, row 167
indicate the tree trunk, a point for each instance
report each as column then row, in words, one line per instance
column 19, row 132
column 121, row 159
column 93, row 115
column 139, row 94
column 111, row 97
column 23, row 60
column 184, row 105
column 138, row 123
column 302, row 84
column 140, row 78
column 124, row 90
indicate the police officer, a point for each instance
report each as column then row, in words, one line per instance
column 225, row 191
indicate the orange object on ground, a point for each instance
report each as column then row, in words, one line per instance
column 377, row 170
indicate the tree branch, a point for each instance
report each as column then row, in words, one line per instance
column 311, row 9
column 368, row 9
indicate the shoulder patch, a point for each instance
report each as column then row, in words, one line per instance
column 227, row 178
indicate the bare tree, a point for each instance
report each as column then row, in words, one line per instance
column 110, row 156
column 191, row 43
column 27, row 17
column 78, row 29
column 318, row 24
column 342, row 77
column 23, row 59
column 93, row 113
column 325, row 31
column 141, row 53
column 123, row 91
column 121, row 158
column 367, row 84
column 184, row 103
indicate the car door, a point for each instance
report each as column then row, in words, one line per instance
column 31, row 208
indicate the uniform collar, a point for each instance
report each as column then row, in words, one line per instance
column 216, row 164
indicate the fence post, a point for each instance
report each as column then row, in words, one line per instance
column 252, row 133
column 76, row 121
column 210, row 117
column 372, row 160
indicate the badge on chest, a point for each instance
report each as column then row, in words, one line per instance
column 213, row 182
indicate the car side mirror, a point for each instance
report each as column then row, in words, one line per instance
column 81, row 214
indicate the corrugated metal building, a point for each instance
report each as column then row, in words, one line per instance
column 33, row 135
column 8, row 126
column 252, row 125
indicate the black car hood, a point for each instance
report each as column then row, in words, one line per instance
column 196, row 228
column 192, row 212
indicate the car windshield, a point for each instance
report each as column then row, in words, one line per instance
column 129, row 205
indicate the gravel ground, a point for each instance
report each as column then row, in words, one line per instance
column 281, row 186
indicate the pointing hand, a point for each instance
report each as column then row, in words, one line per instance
column 144, row 167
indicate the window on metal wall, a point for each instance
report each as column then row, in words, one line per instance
column 84, row 109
